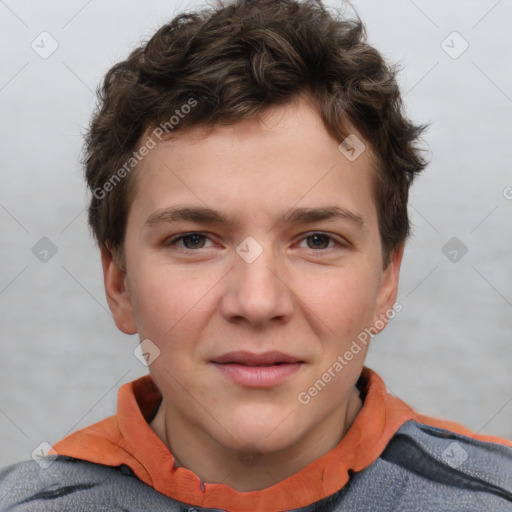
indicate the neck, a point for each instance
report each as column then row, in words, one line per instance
column 247, row 471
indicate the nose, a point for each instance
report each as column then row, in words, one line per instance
column 257, row 291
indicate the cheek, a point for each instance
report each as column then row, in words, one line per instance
column 344, row 301
column 153, row 301
column 169, row 305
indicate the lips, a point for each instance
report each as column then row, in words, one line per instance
column 265, row 370
column 252, row 359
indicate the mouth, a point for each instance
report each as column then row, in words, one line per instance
column 252, row 370
column 252, row 359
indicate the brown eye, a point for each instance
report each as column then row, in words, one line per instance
column 193, row 241
column 318, row 241
column 189, row 241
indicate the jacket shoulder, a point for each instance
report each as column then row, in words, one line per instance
column 65, row 483
column 455, row 464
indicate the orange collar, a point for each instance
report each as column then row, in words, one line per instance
column 127, row 438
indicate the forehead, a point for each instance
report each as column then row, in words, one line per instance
column 285, row 158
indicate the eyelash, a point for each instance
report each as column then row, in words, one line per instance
column 172, row 241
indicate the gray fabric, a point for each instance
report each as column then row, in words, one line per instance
column 422, row 469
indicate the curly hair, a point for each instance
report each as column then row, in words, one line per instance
column 231, row 61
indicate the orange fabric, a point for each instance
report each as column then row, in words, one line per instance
column 126, row 438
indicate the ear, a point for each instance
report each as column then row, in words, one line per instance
column 118, row 295
column 388, row 289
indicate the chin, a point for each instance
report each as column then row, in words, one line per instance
column 271, row 433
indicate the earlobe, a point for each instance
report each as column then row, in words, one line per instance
column 118, row 295
column 388, row 288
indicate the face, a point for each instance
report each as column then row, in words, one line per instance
column 253, row 262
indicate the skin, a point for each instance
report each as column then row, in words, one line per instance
column 303, row 295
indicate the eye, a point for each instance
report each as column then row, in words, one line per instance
column 191, row 241
column 320, row 240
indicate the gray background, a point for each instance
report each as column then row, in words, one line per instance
column 447, row 353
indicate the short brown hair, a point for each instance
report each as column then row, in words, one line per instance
column 231, row 62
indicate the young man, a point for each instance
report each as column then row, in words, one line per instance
column 249, row 170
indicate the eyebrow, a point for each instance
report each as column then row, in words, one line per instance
column 203, row 215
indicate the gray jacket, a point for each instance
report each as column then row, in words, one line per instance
column 423, row 468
